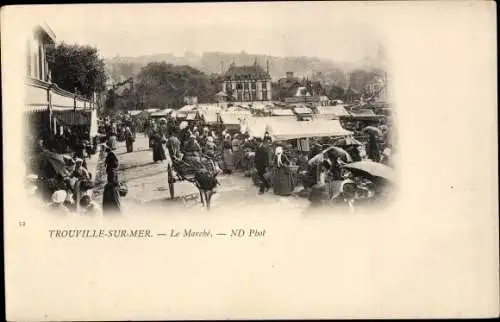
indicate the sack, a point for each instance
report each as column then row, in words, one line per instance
column 123, row 190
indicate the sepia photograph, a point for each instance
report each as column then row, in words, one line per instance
column 185, row 124
column 248, row 160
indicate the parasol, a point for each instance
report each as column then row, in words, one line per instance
column 331, row 152
column 373, row 169
column 372, row 130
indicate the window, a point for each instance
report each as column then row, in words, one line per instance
column 254, row 86
column 228, row 87
column 238, row 86
column 264, row 94
column 246, row 85
column 264, row 84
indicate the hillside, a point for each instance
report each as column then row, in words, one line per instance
column 322, row 70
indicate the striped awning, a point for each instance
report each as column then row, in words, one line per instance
column 71, row 117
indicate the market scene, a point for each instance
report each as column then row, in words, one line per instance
column 248, row 137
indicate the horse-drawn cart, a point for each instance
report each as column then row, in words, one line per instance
column 201, row 171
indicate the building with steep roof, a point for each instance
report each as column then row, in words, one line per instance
column 247, row 83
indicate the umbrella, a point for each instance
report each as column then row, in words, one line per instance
column 332, row 152
column 317, row 159
column 164, row 120
column 347, row 141
column 371, row 168
column 372, row 130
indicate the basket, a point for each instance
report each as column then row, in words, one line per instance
column 123, row 190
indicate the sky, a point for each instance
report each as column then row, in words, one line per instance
column 341, row 32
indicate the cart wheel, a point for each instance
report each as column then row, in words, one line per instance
column 171, row 181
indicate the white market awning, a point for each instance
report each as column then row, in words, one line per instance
column 305, row 129
column 187, row 108
column 282, row 112
column 134, row 112
column 256, row 126
column 191, row 116
column 336, row 111
column 162, row 113
column 209, row 116
column 302, row 110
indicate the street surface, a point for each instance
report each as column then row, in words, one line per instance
column 148, row 186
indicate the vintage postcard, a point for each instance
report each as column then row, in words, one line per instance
column 250, row 160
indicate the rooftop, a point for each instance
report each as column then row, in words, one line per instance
column 246, row 72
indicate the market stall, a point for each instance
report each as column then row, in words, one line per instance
column 281, row 130
column 162, row 113
column 303, row 113
column 232, row 121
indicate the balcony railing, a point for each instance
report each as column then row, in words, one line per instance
column 42, row 95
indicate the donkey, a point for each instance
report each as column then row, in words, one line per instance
column 206, row 182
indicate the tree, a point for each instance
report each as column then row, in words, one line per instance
column 335, row 92
column 164, row 84
column 77, row 67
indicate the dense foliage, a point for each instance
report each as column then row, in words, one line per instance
column 77, row 68
column 162, row 84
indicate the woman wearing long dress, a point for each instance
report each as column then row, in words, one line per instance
column 228, row 154
column 111, row 197
column 282, row 178
column 111, row 163
column 158, row 149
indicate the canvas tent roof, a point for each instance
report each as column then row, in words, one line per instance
column 191, row 116
column 282, row 112
column 287, row 129
column 210, row 116
column 162, row 113
column 256, row 126
column 302, row 110
column 337, row 110
column 317, row 128
column 229, row 118
column 134, row 112
column 187, row 108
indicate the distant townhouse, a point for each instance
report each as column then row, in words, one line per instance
column 247, row 83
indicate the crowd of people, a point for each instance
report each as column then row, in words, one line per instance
column 285, row 167
column 282, row 166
